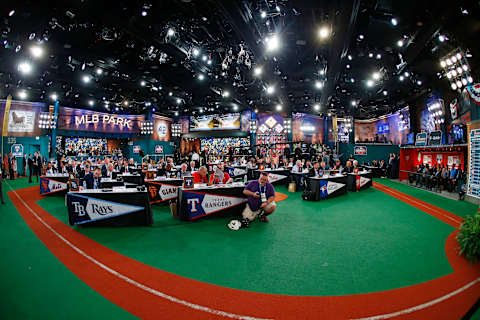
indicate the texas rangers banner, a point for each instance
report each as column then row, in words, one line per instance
column 83, row 209
column 474, row 93
column 161, row 191
column 199, row 204
column 329, row 188
column 50, row 186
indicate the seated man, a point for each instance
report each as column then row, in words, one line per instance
column 93, row 181
column 298, row 167
column 200, row 176
column 261, row 196
column 323, row 166
column 315, row 171
column 183, row 172
column 348, row 167
column 110, row 173
column 192, row 166
column 219, row 176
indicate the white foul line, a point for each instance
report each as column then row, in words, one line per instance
column 424, row 305
column 419, row 203
column 133, row 282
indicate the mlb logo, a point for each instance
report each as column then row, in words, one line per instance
column 162, row 130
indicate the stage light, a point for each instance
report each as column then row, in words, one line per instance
column 11, row 13
column 354, row 103
column 316, row 107
column 278, row 8
column 209, row 62
column 272, row 43
column 441, row 38
column 464, row 81
column 25, row 67
column 394, row 21
column 257, row 71
column 99, row 71
column 419, row 82
column 170, row 94
column 153, row 109
column 370, row 83
column 86, row 78
column 270, row 89
column 443, row 63
column 278, row 107
column 318, row 84
column 361, row 36
column 348, row 66
column 179, row 100
column 459, row 83
column 91, row 102
column 352, row 80
column 36, row 51
column 54, row 96
column 385, row 92
column 235, row 107
column 449, row 75
column 470, row 79
column 148, row 104
column 465, row 67
column 143, row 83
column 263, row 14
column 370, row 55
column 459, row 70
column 454, row 86
column 201, row 77
column 401, row 78
column 176, row 113
column 170, row 32
column 400, row 43
column 144, row 13
column 350, row 57
column 459, row 56
column 195, row 52
column 125, row 103
column 225, row 94
column 22, row 94
column 324, row 32
column 454, row 73
column 379, row 56
column 376, row 75
column 449, row 62
column 116, row 108
column 406, row 74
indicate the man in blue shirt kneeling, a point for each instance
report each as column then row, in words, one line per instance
column 261, row 196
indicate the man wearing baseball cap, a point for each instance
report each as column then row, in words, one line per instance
column 261, row 195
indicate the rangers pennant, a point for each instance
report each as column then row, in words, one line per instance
column 51, row 186
column 201, row 204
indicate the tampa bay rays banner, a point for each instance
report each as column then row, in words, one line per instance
column 83, row 209
column 161, row 192
column 330, row 188
column 50, row 186
column 363, row 182
column 199, row 204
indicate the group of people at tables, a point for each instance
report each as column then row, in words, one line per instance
column 440, row 177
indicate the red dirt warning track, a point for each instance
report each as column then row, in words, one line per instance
column 150, row 293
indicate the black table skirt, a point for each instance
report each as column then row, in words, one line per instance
column 332, row 187
column 113, row 209
column 161, row 191
column 135, row 179
column 359, row 182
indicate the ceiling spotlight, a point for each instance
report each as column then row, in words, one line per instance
column 376, row 75
column 454, row 73
column 465, row 67
column 257, row 71
column 370, row 55
column 449, row 62
column 385, row 92
column 350, row 57
column 400, row 43
column 22, row 94
column 176, row 113
column 170, row 32
column 370, row 83
column 25, row 67
column 454, row 86
column 279, row 107
column 459, row 83
column 179, row 100
column 272, row 43
column 116, row 109
column 354, row 103
column 86, row 78
column 256, row 110
column 125, row 103
column 54, row 96
column 443, row 63
column 394, row 21
column 143, row 83
column 352, row 80
column 459, row 70
column 324, row 32
column 225, row 94
column 270, row 89
column 316, row 107
column 464, row 81
column 11, row 13
column 170, row 94
column 277, row 8
column 204, row 58
column 195, row 52
column 348, row 66
column 361, row 36
column 235, row 107
column 406, row 74
column 201, row 77
column 318, row 84
column 99, row 71
column 263, row 14
column 449, row 75
column 379, row 56
column 419, row 82
column 209, row 61
column 144, row 13
column 470, row 79
column 459, row 56
column 91, row 102
column 36, row 51
column 148, row 104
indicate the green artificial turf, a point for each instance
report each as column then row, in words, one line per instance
column 34, row 284
column 357, row 243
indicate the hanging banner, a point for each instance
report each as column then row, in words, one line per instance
column 474, row 92
column 435, row 138
column 421, row 139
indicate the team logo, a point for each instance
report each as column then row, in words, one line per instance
column 199, row 204
column 45, row 185
column 153, row 191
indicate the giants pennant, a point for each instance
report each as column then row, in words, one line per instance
column 201, row 204
column 48, row 186
column 87, row 209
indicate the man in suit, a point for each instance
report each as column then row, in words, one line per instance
column 110, row 173
column 348, row 167
column 30, row 168
column 315, row 171
column 192, row 166
column 93, row 181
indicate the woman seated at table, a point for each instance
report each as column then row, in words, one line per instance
column 219, row 176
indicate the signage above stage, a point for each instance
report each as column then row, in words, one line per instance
column 421, row 139
column 88, row 120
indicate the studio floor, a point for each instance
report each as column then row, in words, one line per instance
column 383, row 253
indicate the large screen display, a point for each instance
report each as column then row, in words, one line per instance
column 22, row 118
column 307, row 128
column 392, row 128
column 229, row 121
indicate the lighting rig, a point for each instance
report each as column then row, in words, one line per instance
column 146, row 127
column 47, row 121
column 253, row 126
column 457, row 69
column 437, row 111
column 288, row 125
column 176, row 129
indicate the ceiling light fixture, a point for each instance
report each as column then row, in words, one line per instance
column 263, row 14
column 25, row 67
column 22, row 94
column 400, row 43
column 318, row 84
column 99, row 71
column 86, row 78
column 270, row 89
column 54, row 96
column 272, row 43
column 324, row 32
column 91, row 102
column 370, row 83
column 257, row 71
column 195, row 52
column 316, row 107
column 225, row 94
column 278, row 107
column 394, row 21
column 170, row 32
column 201, row 77
column 36, row 51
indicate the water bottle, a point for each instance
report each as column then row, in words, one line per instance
column 245, row 179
